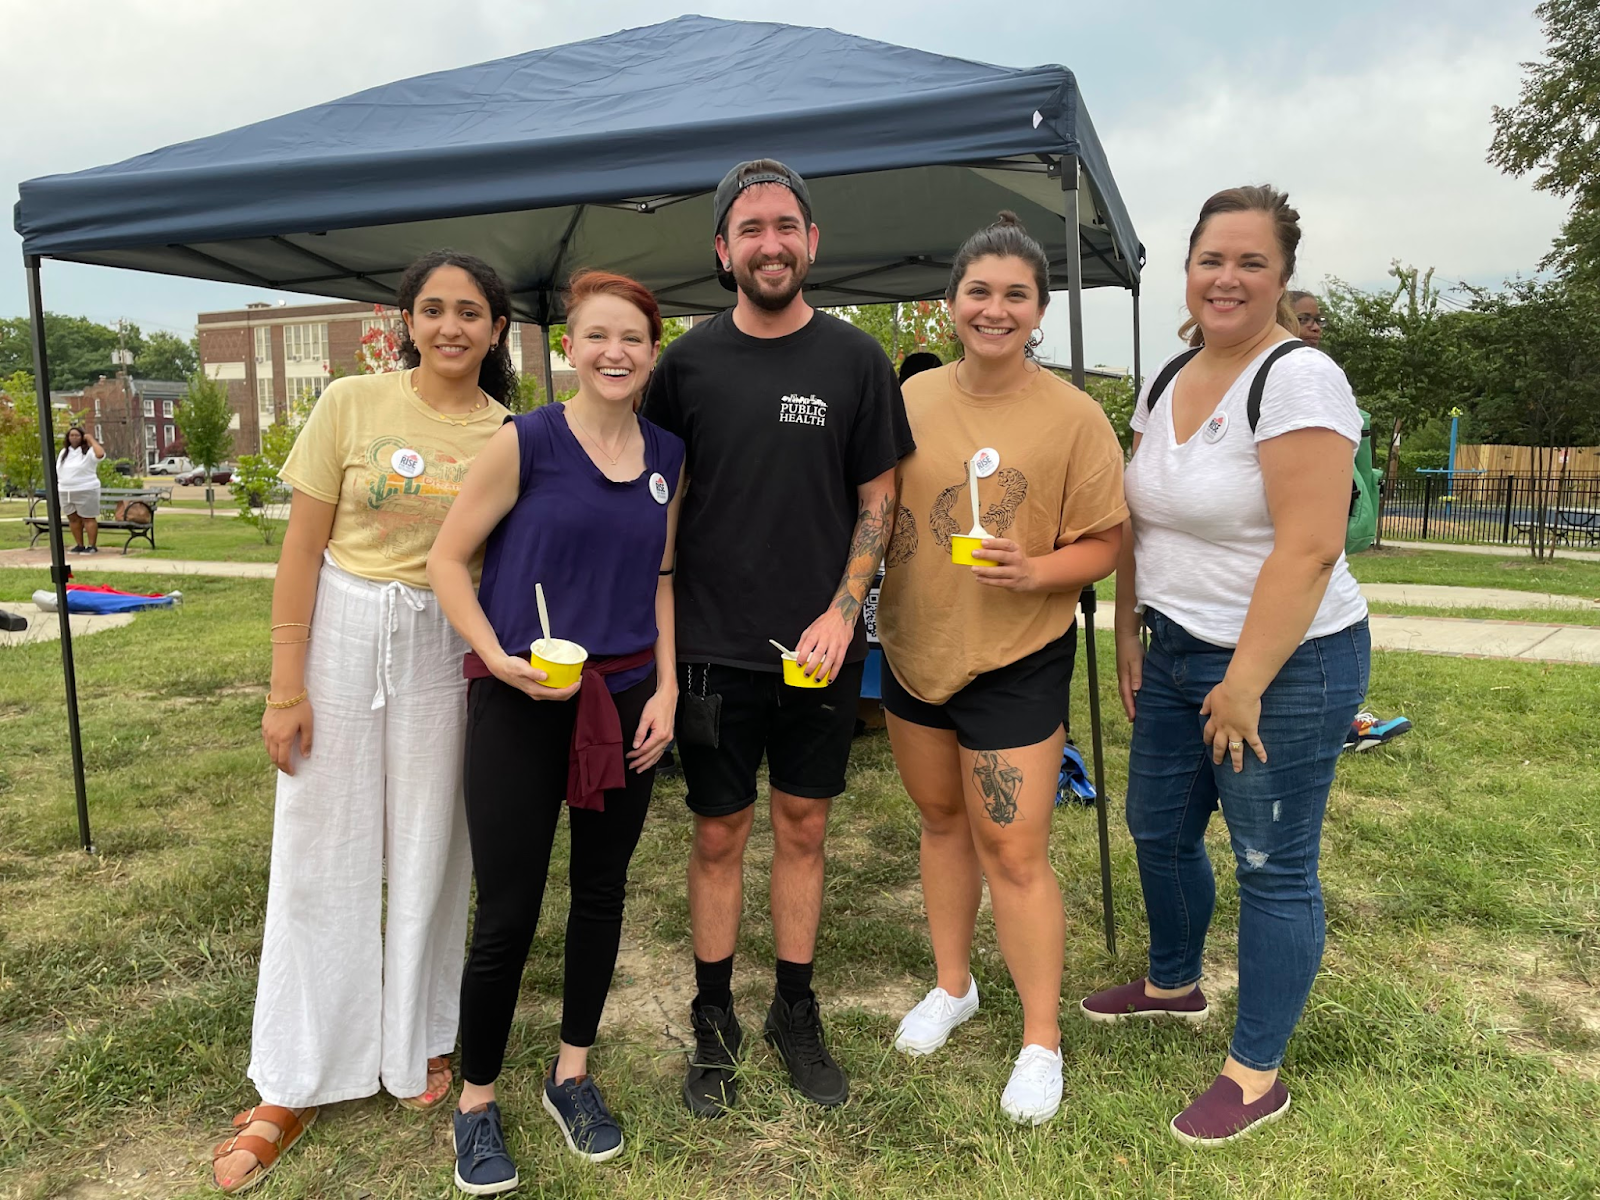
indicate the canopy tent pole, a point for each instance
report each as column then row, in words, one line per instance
column 1138, row 378
column 549, row 374
column 58, row 556
column 1088, row 599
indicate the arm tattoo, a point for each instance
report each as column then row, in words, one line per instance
column 999, row 782
column 874, row 525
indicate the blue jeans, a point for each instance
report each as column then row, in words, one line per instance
column 1274, row 813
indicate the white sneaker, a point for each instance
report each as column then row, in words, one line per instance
column 927, row 1026
column 1034, row 1091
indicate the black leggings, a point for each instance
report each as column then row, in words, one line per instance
column 516, row 785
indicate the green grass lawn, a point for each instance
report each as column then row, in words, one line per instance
column 1451, row 1046
column 1519, row 572
column 186, row 536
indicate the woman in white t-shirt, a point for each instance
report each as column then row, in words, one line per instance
column 1258, row 647
column 78, row 482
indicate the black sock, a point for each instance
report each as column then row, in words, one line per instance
column 715, row 983
column 794, row 982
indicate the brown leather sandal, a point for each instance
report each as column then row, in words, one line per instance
column 439, row 1065
column 267, row 1154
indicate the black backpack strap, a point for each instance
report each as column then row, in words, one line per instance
column 1258, row 385
column 1163, row 380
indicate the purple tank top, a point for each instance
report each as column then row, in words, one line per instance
column 594, row 544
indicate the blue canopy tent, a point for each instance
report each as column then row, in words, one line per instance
column 605, row 153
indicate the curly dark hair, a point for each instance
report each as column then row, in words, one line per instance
column 496, row 374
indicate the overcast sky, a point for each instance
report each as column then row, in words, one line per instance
column 1373, row 114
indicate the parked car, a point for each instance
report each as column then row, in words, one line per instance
column 223, row 473
column 172, row 464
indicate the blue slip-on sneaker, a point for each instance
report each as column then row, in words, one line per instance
column 1073, row 785
column 483, row 1167
column 581, row 1113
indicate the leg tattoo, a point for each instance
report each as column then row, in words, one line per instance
column 999, row 782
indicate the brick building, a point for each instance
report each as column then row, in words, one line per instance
column 272, row 357
column 135, row 419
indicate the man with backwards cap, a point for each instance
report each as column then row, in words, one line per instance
column 793, row 423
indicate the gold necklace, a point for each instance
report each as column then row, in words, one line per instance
column 599, row 445
column 448, row 419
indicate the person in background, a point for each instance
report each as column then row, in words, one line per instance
column 916, row 363
column 793, row 424
column 1259, row 649
column 580, row 499
column 360, row 976
column 78, row 485
column 1368, row 730
column 980, row 657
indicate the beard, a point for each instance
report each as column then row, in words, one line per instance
column 762, row 293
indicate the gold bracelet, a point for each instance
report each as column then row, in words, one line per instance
column 289, row 625
column 289, row 641
column 271, row 703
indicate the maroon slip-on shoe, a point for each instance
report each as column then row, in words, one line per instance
column 1128, row 1000
column 1219, row 1114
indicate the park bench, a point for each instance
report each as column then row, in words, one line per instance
column 122, row 510
column 1566, row 526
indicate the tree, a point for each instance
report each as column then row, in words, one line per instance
column 1552, row 129
column 261, row 495
column 1403, row 356
column 79, row 349
column 379, row 350
column 20, row 460
column 203, row 419
column 1117, row 397
column 165, row 356
column 907, row 328
column 1537, row 366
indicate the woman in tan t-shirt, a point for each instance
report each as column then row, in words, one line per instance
column 980, row 657
column 366, row 919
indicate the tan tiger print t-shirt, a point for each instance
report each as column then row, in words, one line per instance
column 1051, row 472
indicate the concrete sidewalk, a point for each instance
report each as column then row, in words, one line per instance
column 1438, row 596
column 114, row 563
column 1491, row 551
column 1523, row 641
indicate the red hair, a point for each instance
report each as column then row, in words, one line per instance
column 587, row 284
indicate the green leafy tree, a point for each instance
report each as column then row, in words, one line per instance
column 164, row 356
column 907, row 328
column 1117, row 397
column 1405, row 357
column 79, row 349
column 1537, row 367
column 203, row 419
column 1553, row 131
column 20, row 458
column 261, row 495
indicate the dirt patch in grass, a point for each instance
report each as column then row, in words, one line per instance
column 147, row 1165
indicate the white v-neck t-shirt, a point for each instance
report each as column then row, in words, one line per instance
column 1201, row 528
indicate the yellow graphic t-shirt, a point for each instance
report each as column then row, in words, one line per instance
column 392, row 466
column 1052, row 473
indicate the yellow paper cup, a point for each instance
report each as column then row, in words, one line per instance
column 961, row 548
column 795, row 675
column 561, row 661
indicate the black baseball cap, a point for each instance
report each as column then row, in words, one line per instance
column 749, row 174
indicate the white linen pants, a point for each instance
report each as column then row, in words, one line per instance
column 347, row 1001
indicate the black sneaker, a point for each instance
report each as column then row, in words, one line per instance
column 796, row 1034
column 91, row 549
column 711, row 1087
column 581, row 1113
column 483, row 1168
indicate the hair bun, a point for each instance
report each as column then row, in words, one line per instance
column 1007, row 217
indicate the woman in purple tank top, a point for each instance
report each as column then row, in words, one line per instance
column 582, row 499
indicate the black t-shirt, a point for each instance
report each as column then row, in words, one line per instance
column 780, row 433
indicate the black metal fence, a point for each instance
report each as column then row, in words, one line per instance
column 1496, row 509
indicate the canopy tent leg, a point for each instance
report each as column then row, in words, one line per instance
column 1138, row 377
column 58, row 556
column 549, row 373
column 1069, row 187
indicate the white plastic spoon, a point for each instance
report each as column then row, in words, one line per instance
column 978, row 531
column 544, row 613
column 782, row 649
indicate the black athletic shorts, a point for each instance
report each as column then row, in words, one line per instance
column 805, row 734
column 1020, row 704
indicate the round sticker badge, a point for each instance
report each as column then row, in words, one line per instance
column 986, row 462
column 658, row 487
column 1215, row 428
column 407, row 463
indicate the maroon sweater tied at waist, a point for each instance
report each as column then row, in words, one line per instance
column 596, row 762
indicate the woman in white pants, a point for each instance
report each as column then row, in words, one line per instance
column 365, row 720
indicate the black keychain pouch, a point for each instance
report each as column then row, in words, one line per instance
column 699, row 713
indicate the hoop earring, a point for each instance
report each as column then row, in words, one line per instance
column 1036, row 340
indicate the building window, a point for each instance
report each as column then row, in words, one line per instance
column 304, row 387
column 166, row 408
column 305, row 343
column 264, row 406
column 167, row 434
column 98, row 436
column 263, row 344
column 149, row 437
column 516, row 345
column 149, row 407
column 97, row 408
